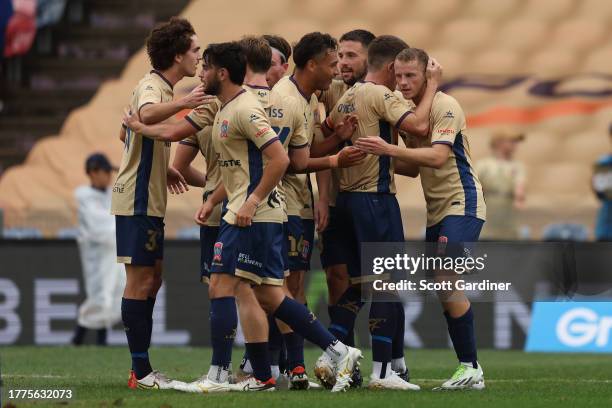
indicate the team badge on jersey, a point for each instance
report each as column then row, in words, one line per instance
column 224, row 128
column 217, row 252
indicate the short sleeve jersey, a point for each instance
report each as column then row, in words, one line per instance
column 378, row 112
column 453, row 189
column 329, row 98
column 202, row 119
column 240, row 132
column 140, row 187
column 297, row 189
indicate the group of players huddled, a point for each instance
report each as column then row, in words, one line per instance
column 262, row 133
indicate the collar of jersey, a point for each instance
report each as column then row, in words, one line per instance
column 154, row 71
column 292, row 79
column 257, row 86
column 233, row 97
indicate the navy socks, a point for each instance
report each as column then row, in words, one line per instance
column 223, row 323
column 136, row 321
column 461, row 330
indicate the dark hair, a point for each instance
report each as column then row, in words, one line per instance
column 257, row 52
column 311, row 46
column 384, row 49
column 361, row 36
column 414, row 54
column 227, row 55
column 280, row 44
column 167, row 40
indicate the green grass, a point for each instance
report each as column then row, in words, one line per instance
column 97, row 377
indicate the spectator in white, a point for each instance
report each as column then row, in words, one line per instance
column 503, row 184
column 104, row 278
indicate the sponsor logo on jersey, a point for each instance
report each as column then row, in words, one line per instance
column 262, row 132
column 253, row 117
column 450, row 115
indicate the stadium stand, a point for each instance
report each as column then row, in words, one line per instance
column 517, row 62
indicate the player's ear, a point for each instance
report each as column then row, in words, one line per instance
column 391, row 67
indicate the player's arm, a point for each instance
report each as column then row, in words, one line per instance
column 167, row 132
column 185, row 153
column 417, row 123
column 122, row 133
column 321, row 210
column 405, row 168
column 334, row 135
column 207, row 207
column 150, row 112
column 298, row 159
column 349, row 156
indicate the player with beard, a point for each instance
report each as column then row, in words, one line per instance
column 353, row 65
column 455, row 205
column 368, row 209
column 248, row 253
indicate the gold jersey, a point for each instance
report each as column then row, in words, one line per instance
column 240, row 132
column 140, row 187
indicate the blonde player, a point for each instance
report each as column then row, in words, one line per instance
column 455, row 204
column 139, row 193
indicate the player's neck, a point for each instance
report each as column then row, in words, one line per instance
column 303, row 83
column 172, row 75
column 228, row 92
column 417, row 99
column 377, row 77
column 255, row 79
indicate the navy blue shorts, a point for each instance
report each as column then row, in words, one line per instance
column 367, row 217
column 253, row 253
column 333, row 245
column 140, row 239
column 299, row 235
column 462, row 230
column 208, row 237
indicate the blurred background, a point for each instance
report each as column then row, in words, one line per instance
column 541, row 68
column 533, row 76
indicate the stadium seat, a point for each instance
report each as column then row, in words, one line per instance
column 502, row 9
column 547, row 10
column 416, row 33
column 599, row 10
column 585, row 147
column 466, row 35
column 345, row 25
column 551, row 63
column 599, row 61
column 453, row 62
column 521, row 35
column 293, row 30
column 380, row 10
column 578, row 34
column 321, row 10
column 432, row 10
column 497, row 61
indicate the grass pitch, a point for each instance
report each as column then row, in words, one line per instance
column 97, row 378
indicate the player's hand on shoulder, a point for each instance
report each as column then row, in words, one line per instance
column 176, row 181
column 434, row 70
column 373, row 145
column 130, row 120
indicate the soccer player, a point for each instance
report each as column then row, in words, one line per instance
column 281, row 52
column 139, row 193
column 248, row 253
column 353, row 65
column 315, row 59
column 367, row 208
column 455, row 205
